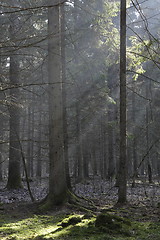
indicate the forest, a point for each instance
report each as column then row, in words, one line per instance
column 79, row 110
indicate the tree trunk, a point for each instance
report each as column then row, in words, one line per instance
column 80, row 176
column 122, row 174
column 2, row 121
column 39, row 159
column 149, row 168
column 134, row 152
column 63, row 58
column 14, row 174
column 29, row 143
column 85, row 156
column 57, row 178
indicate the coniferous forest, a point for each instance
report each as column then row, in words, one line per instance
column 79, row 119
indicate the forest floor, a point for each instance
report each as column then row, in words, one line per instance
column 138, row 220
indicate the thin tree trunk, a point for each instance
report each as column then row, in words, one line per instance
column 149, row 168
column 63, row 58
column 85, row 157
column 2, row 125
column 134, row 152
column 29, row 143
column 39, row 160
column 80, row 176
column 111, row 161
column 122, row 174
column 32, row 135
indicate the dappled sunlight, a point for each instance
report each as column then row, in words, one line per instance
column 79, row 226
column 79, row 120
column 30, row 227
column 43, row 226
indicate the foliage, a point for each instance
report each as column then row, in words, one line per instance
column 136, row 54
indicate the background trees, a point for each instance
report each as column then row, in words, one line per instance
column 89, row 38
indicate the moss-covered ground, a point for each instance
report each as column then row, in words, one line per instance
column 24, row 223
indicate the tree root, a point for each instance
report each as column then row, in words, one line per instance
column 71, row 201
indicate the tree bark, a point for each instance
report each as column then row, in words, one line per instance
column 134, row 152
column 57, row 178
column 14, row 174
column 148, row 120
column 63, row 59
column 122, row 175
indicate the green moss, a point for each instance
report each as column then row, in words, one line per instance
column 76, row 227
column 110, row 223
column 71, row 221
column 47, row 205
column 28, row 228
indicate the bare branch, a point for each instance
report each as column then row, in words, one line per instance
column 19, row 9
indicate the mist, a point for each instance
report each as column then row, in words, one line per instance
column 89, row 73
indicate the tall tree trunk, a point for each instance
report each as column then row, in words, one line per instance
column 86, row 158
column 79, row 157
column 93, row 158
column 149, row 167
column 57, row 178
column 2, row 120
column 63, row 58
column 112, row 119
column 14, row 173
column 134, row 152
column 122, row 174
column 158, row 164
column 29, row 142
column 103, row 147
column 111, row 161
column 32, row 134
column 39, row 158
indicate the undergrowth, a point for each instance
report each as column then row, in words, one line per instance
column 105, row 226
